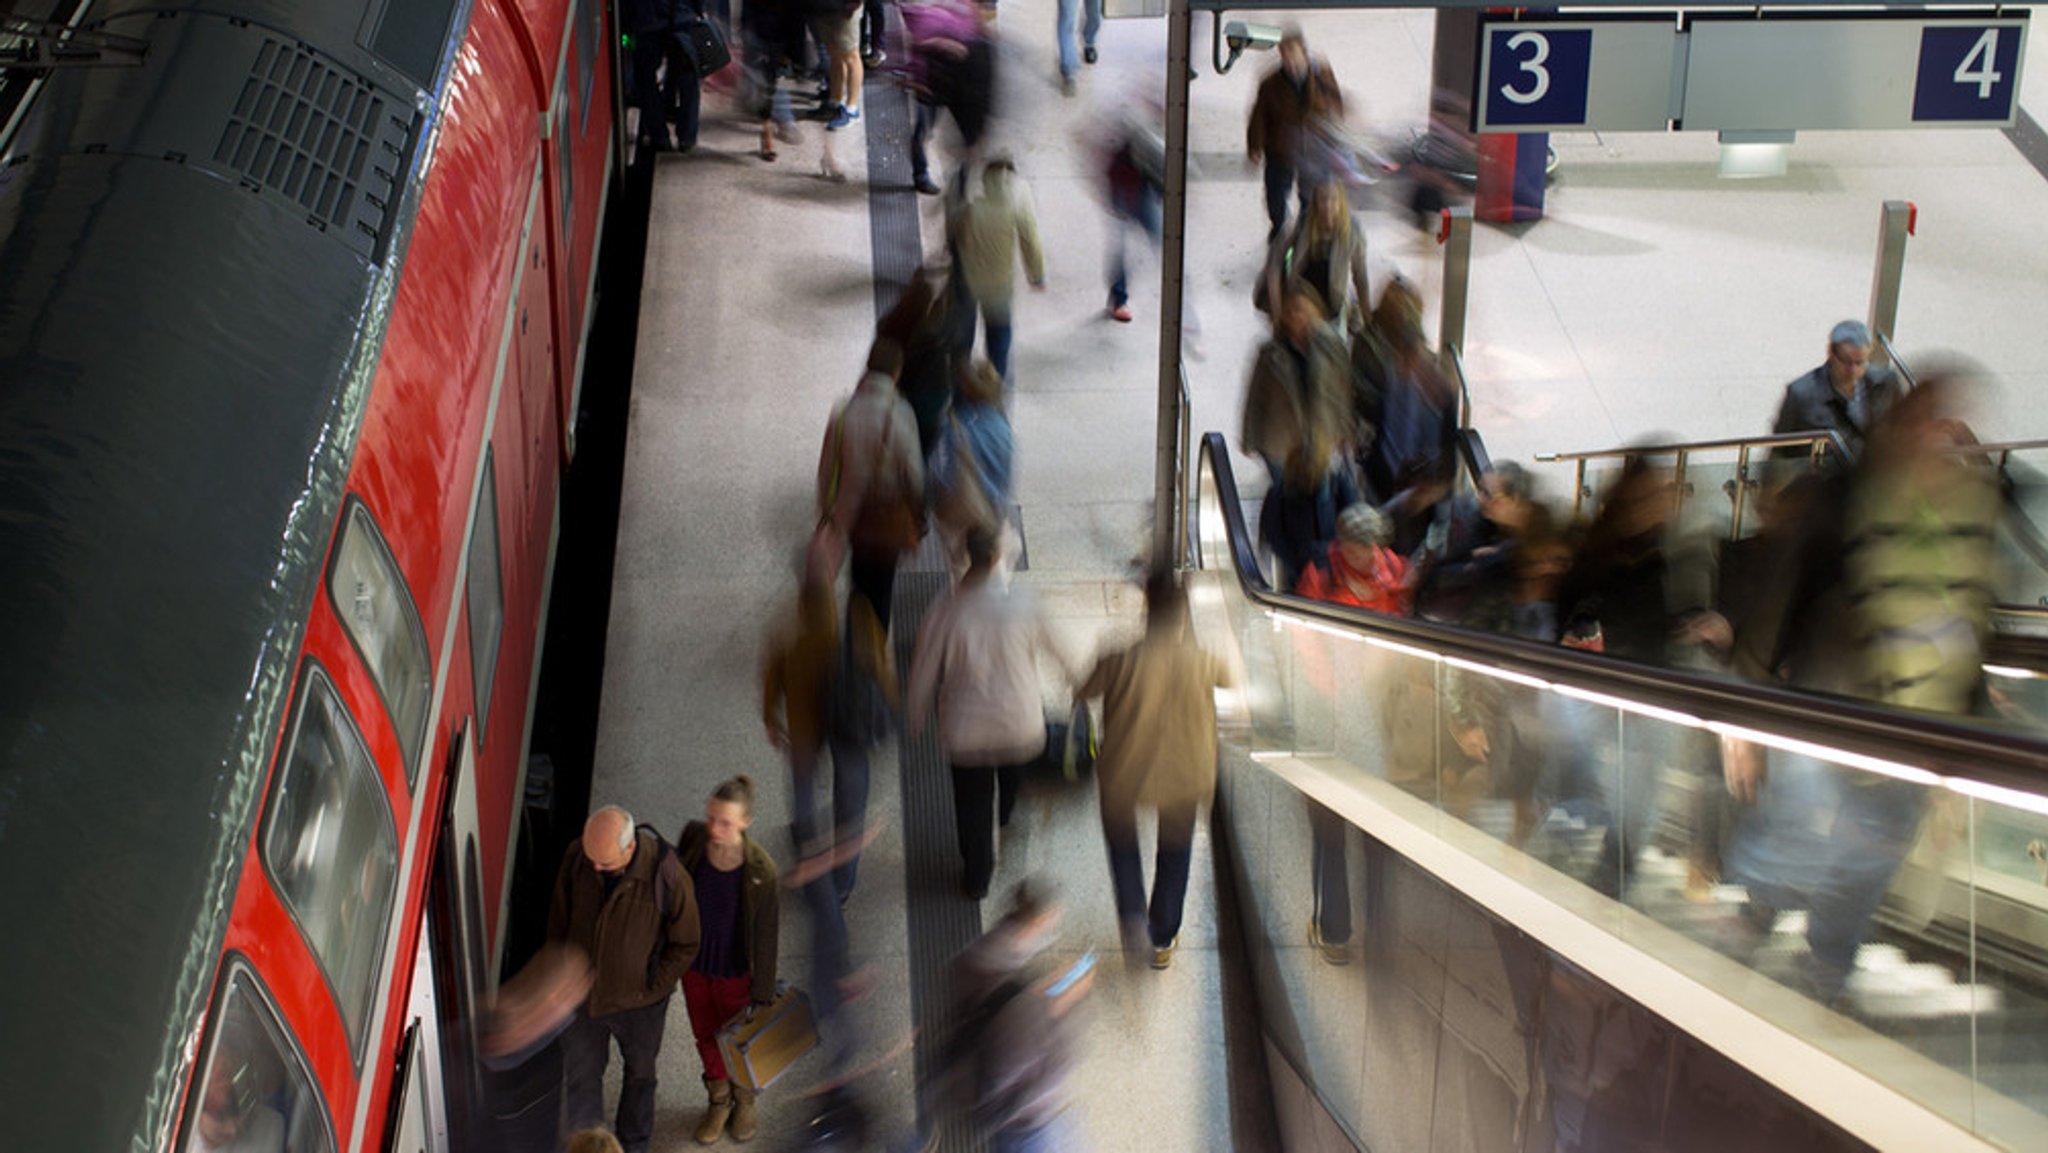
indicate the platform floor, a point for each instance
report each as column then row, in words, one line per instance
column 1654, row 297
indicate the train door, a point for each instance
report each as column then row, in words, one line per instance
column 439, row 1097
column 420, row 1119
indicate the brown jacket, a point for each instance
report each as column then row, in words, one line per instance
column 1158, row 722
column 638, row 950
column 760, row 907
column 1282, row 112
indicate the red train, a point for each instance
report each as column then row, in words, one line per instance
column 293, row 305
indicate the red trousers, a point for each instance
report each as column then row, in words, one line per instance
column 712, row 1002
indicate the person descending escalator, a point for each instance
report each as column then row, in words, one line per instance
column 1297, row 419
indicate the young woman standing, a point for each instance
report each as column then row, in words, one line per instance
column 734, row 972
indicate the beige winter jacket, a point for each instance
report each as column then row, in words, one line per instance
column 1158, row 722
column 989, row 226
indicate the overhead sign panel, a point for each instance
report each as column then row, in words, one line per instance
column 1550, row 76
column 1874, row 72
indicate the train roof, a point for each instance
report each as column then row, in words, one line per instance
column 187, row 337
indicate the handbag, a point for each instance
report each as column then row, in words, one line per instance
column 760, row 1044
column 703, row 43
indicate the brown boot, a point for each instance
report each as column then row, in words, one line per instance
column 742, row 1112
column 713, row 1126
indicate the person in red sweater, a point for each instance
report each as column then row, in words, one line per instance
column 1359, row 569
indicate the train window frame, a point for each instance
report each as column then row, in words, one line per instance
column 238, row 975
column 412, row 738
column 315, row 684
column 484, row 654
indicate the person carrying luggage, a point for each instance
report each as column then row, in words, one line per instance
column 739, row 910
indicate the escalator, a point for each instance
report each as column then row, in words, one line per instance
column 1472, row 869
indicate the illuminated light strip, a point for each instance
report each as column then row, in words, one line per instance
column 1318, row 626
column 1637, row 707
column 1404, row 650
column 1877, row 765
column 1498, row 674
column 1998, row 794
column 2010, row 673
column 1269, row 756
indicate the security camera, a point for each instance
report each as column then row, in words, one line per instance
column 1257, row 37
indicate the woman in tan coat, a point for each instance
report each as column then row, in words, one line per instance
column 1159, row 752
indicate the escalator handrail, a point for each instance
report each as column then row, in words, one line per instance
column 1832, row 438
column 1977, row 752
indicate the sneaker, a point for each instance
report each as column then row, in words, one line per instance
column 1121, row 313
column 875, row 59
column 789, row 133
column 925, row 185
column 1067, row 86
column 842, row 118
column 1088, row 54
column 1162, row 955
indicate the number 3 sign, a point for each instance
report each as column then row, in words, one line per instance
column 1537, row 77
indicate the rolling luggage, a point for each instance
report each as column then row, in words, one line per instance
column 760, row 1049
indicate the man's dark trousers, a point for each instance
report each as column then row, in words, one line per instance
column 586, row 1049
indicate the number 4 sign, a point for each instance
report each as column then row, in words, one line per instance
column 1967, row 72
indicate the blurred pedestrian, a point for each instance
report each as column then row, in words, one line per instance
column 739, row 907
column 648, row 25
column 1297, row 418
column 871, row 481
column 1325, row 250
column 973, row 468
column 1842, row 396
column 1136, row 175
column 825, row 690
column 1090, row 13
column 773, row 31
column 952, row 67
column 1294, row 99
column 1418, row 418
column 926, row 325
column 622, row 898
column 990, row 222
column 836, row 26
column 1018, row 1029
column 1158, row 752
column 977, row 658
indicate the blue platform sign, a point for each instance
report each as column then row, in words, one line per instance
column 1967, row 72
column 1537, row 76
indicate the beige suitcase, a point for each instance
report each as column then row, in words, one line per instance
column 760, row 1049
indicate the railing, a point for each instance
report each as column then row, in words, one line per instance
column 1817, row 449
column 1898, row 365
column 1570, row 795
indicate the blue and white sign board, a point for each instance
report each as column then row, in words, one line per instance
column 1876, row 72
column 1557, row 76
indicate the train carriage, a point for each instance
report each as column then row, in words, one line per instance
column 293, row 303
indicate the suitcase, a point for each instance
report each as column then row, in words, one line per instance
column 760, row 1049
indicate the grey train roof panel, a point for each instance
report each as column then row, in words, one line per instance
column 185, row 350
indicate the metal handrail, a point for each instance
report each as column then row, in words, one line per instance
column 1832, row 439
column 1457, row 356
column 1980, row 752
column 1185, row 476
column 1891, row 355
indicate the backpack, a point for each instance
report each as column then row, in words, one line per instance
column 668, row 873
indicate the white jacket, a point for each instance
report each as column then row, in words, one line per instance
column 990, row 226
column 977, row 653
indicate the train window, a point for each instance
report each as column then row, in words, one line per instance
column 411, row 34
column 254, row 1090
column 486, row 594
column 371, row 598
column 331, row 850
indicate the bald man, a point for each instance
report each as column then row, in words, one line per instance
column 622, row 898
